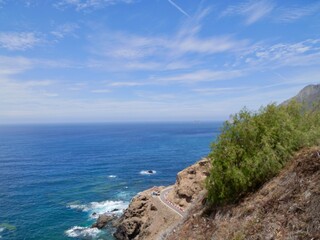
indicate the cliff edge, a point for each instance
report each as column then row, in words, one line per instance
column 153, row 212
column 286, row 207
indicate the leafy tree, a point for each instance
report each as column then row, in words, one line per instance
column 254, row 146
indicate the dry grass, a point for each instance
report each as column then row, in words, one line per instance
column 286, row 207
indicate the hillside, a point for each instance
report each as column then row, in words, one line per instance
column 261, row 189
column 287, row 207
column 309, row 96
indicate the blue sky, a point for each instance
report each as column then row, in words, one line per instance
column 152, row 60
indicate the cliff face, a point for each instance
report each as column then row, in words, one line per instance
column 145, row 217
column 151, row 213
column 190, row 182
column 287, row 207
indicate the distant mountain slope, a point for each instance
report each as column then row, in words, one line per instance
column 309, row 96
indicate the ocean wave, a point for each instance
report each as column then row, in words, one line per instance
column 1, row 230
column 96, row 208
column 148, row 172
column 83, row 232
column 112, row 176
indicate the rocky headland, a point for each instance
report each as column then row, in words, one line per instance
column 154, row 211
column 285, row 207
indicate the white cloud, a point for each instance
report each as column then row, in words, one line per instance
column 101, row 91
column 65, row 29
column 126, row 84
column 290, row 14
column 219, row 90
column 17, row 64
column 304, row 53
column 130, row 47
column 253, row 10
column 202, row 76
column 19, row 40
column 80, row 5
column 14, row 65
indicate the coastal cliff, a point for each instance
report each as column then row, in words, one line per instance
column 283, row 207
column 156, row 210
column 286, row 207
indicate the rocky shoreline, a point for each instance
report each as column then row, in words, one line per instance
column 149, row 215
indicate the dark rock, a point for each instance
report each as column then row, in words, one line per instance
column 128, row 229
column 153, row 208
column 103, row 220
column 115, row 210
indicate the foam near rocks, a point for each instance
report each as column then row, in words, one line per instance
column 96, row 208
column 148, row 172
column 83, row 232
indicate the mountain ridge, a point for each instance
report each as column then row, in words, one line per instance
column 309, row 97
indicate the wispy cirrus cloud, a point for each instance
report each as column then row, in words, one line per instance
column 304, row 53
column 64, row 30
column 219, row 90
column 126, row 84
column 100, row 90
column 126, row 46
column 252, row 11
column 14, row 65
column 291, row 14
column 175, row 51
column 202, row 76
column 20, row 40
column 87, row 5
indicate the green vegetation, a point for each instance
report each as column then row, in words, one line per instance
column 254, row 146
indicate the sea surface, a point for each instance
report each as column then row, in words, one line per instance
column 54, row 177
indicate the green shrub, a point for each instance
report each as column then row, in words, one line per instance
column 254, row 146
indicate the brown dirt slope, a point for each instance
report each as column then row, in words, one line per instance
column 287, row 207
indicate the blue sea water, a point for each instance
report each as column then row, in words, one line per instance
column 53, row 177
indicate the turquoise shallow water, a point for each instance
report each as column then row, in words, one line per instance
column 53, row 177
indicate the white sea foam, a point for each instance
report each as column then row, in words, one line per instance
column 148, row 172
column 1, row 230
column 112, row 176
column 114, row 207
column 83, row 232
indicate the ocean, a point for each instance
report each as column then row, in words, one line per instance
column 54, row 177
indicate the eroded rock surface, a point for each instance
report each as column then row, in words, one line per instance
column 190, row 182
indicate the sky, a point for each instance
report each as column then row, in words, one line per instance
column 77, row 61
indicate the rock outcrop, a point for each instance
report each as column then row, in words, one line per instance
column 190, row 182
column 147, row 217
column 103, row 220
column 286, row 207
